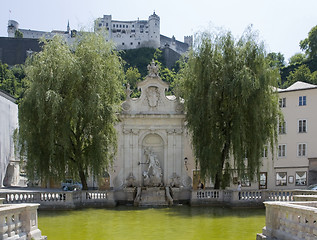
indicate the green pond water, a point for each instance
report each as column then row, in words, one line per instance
column 128, row 223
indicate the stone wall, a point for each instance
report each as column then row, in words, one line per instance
column 9, row 122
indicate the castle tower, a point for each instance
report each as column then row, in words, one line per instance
column 154, row 30
column 68, row 28
column 12, row 27
column 188, row 40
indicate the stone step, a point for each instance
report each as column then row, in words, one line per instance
column 153, row 197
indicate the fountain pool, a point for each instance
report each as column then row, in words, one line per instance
column 128, row 223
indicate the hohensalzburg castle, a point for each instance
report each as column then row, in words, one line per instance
column 126, row 34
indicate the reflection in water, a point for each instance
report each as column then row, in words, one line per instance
column 128, row 223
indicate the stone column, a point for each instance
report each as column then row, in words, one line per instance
column 169, row 161
column 126, row 154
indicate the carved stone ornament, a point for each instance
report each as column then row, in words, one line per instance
column 153, row 96
column 153, row 69
column 175, row 180
column 179, row 108
column 126, row 106
column 130, row 181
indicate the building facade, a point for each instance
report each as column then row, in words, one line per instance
column 296, row 161
column 9, row 165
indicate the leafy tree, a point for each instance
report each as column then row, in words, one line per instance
column 276, row 60
column 302, row 73
column 232, row 108
column 309, row 44
column 133, row 77
column 12, row 80
column 67, row 115
column 18, row 34
column 297, row 58
column 138, row 58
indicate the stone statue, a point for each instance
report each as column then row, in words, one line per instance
column 175, row 180
column 153, row 176
column 128, row 91
column 130, row 181
column 153, row 69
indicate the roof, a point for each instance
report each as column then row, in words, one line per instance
column 7, row 96
column 298, row 86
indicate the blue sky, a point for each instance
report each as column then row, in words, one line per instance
column 281, row 23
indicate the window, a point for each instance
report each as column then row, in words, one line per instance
column 281, row 178
column 302, row 101
column 300, row 178
column 282, row 150
column 263, row 180
column 282, row 127
column 245, row 182
column 123, row 43
column 131, row 43
column 301, row 150
column 282, row 102
column 302, row 126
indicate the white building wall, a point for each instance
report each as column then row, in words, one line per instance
column 9, row 122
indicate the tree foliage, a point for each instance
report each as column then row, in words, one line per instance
column 303, row 74
column 12, row 80
column 297, row 58
column 232, row 107
column 67, row 115
column 276, row 60
column 309, row 44
column 133, row 76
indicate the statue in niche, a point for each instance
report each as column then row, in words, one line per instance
column 153, row 69
column 153, row 96
column 153, row 176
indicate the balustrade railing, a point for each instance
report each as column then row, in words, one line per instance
column 19, row 221
column 290, row 221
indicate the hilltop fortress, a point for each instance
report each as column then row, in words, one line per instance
column 140, row 33
column 126, row 34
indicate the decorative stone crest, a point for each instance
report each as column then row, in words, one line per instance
column 153, row 69
column 153, row 96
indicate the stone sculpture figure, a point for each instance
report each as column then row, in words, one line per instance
column 153, row 69
column 130, row 181
column 153, row 176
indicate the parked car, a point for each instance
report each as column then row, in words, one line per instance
column 312, row 187
column 71, row 185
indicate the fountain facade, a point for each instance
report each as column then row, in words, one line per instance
column 152, row 139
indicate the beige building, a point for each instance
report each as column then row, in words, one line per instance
column 296, row 162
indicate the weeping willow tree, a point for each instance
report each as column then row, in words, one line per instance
column 231, row 103
column 68, row 113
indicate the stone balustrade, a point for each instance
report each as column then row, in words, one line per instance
column 290, row 221
column 19, row 221
column 69, row 200
column 244, row 197
column 61, row 199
